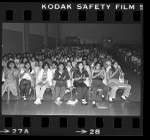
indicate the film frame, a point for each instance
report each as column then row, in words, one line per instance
column 68, row 125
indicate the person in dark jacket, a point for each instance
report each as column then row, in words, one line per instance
column 60, row 77
column 80, row 76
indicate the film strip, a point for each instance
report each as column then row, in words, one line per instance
column 85, row 125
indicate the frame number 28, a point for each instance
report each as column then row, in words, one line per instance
column 95, row 131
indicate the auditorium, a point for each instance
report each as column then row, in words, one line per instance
column 71, row 69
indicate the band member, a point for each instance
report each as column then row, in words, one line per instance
column 97, row 81
column 115, row 80
column 10, row 83
column 61, row 77
column 44, row 81
column 80, row 75
column 26, row 80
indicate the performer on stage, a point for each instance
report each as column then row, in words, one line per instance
column 44, row 81
column 61, row 77
column 80, row 76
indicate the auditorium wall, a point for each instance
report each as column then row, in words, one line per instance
column 13, row 36
column 51, row 42
column 12, row 41
column 35, row 42
column 93, row 32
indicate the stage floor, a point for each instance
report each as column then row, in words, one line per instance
column 48, row 107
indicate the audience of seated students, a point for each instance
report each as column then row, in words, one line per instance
column 132, row 57
column 62, row 68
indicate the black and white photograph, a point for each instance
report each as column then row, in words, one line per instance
column 71, row 69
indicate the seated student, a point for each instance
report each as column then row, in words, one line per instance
column 26, row 80
column 97, row 81
column 44, row 81
column 24, row 60
column 54, row 67
column 10, row 83
column 32, row 61
column 4, row 67
column 70, row 70
column 16, row 60
column 93, row 62
column 115, row 81
column 61, row 76
column 80, row 76
column 87, row 68
column 38, row 68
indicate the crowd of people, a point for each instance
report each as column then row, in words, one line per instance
column 132, row 57
column 63, row 69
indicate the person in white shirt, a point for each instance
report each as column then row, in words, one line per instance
column 26, row 80
column 54, row 67
column 115, row 80
column 33, row 62
column 38, row 68
column 87, row 68
column 44, row 81
column 10, row 83
column 70, row 70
